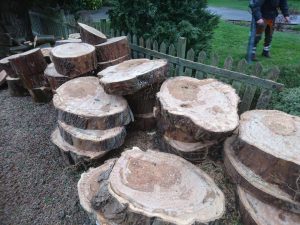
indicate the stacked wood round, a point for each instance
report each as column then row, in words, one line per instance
column 14, row 82
column 264, row 160
column 150, row 188
column 30, row 67
column 195, row 115
column 90, row 122
column 138, row 80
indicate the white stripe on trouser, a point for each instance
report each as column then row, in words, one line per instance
column 254, row 50
column 267, row 48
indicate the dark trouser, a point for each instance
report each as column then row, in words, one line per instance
column 268, row 28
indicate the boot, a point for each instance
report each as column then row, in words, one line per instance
column 253, row 57
column 266, row 54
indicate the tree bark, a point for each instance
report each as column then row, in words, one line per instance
column 143, row 122
column 103, row 65
column 41, row 94
column 74, row 59
column 91, row 35
column 54, row 78
column 90, row 108
column 6, row 65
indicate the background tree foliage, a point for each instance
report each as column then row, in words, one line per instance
column 166, row 20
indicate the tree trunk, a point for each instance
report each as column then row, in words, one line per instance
column 256, row 212
column 143, row 122
column 150, row 188
column 6, row 65
column 41, row 94
column 74, row 59
column 206, row 109
column 55, row 79
column 90, row 108
column 247, row 179
column 133, row 75
column 90, row 35
column 269, row 144
column 16, row 87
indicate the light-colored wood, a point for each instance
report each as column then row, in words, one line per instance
column 67, row 41
column 103, row 65
column 74, row 59
column 82, row 103
column 133, row 75
column 46, row 53
column 91, row 35
column 190, row 55
column 3, row 76
column 269, row 144
column 151, row 187
column 246, row 178
column 54, row 78
column 206, row 109
column 256, row 212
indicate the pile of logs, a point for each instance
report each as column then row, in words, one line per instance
column 150, row 188
column 90, row 122
column 138, row 80
column 195, row 115
column 264, row 161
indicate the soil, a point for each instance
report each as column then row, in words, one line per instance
column 37, row 188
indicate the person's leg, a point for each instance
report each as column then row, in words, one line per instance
column 268, row 37
column 259, row 31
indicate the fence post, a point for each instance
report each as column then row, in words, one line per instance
column 64, row 24
column 181, row 49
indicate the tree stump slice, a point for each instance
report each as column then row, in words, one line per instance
column 151, row 188
column 62, row 42
column 5, row 65
column 207, row 109
column 103, row 65
column 143, row 122
column 82, row 103
column 74, row 59
column 91, row 35
column 256, row 212
column 193, row 152
column 92, row 140
column 133, row 75
column 247, row 179
column 269, row 144
column 41, row 94
column 54, row 78
column 3, row 76
column 46, row 53
column 71, row 154
column 112, row 49
column 16, row 87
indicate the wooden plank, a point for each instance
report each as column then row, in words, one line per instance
column 268, row 84
column 142, row 44
column 250, row 90
column 228, row 64
column 214, row 61
column 112, row 33
column 172, row 52
column 148, row 46
column 118, row 33
column 190, row 56
column 241, row 67
column 201, row 59
column 155, row 47
column 266, row 95
column 181, row 49
column 135, row 42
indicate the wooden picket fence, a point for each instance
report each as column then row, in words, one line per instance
column 252, row 83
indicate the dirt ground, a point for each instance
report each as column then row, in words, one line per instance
column 37, row 188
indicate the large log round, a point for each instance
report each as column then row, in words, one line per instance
column 269, row 144
column 41, row 94
column 207, row 109
column 5, row 65
column 133, row 75
column 92, row 140
column 3, row 76
column 91, row 35
column 103, row 65
column 114, row 48
column 54, row 78
column 16, row 87
column 146, row 187
column 74, row 59
column 246, row 178
column 256, row 212
column 82, row 103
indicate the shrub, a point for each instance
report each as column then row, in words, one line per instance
column 166, row 20
column 290, row 76
column 287, row 101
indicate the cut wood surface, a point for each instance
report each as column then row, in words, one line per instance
column 205, row 108
column 83, row 103
column 3, row 76
column 74, row 59
column 246, row 178
column 193, row 152
column 72, row 152
column 144, row 122
column 91, row 35
column 29, row 63
column 92, row 140
column 16, row 87
column 46, row 53
column 5, row 65
column 269, row 144
column 112, row 49
column 131, row 76
column 62, row 42
column 74, row 36
column 41, row 94
column 54, row 78
column 256, row 212
column 141, row 187
column 103, row 65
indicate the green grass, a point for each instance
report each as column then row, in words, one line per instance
column 232, row 40
column 243, row 4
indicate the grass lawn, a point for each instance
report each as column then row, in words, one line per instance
column 230, row 39
column 243, row 4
